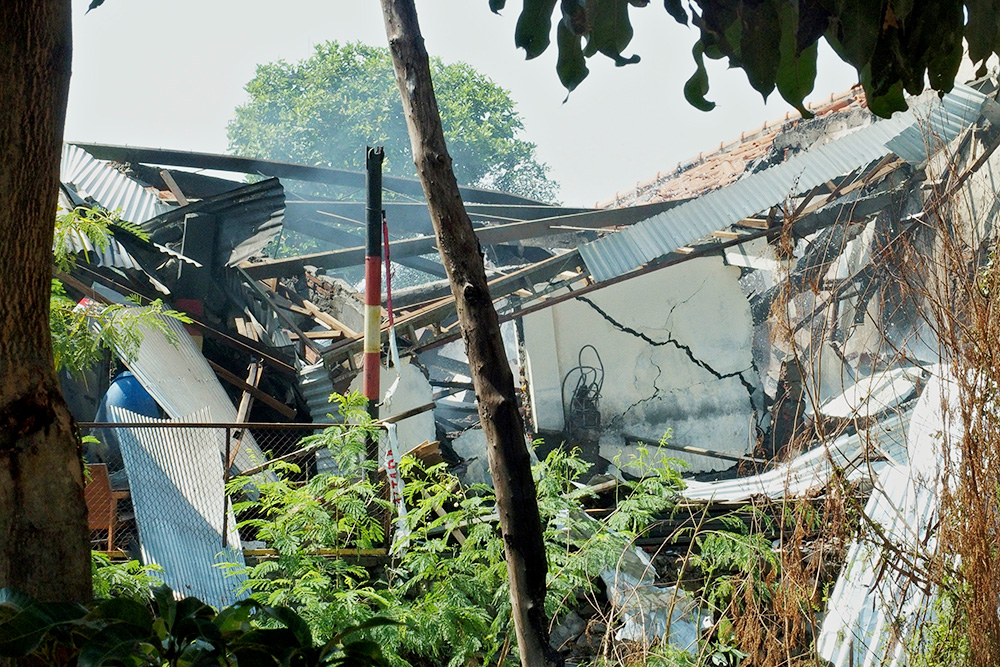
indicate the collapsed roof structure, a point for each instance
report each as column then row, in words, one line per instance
column 749, row 302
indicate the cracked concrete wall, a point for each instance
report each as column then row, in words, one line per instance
column 676, row 350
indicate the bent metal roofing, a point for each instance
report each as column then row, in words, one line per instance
column 618, row 253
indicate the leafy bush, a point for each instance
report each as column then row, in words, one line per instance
column 179, row 633
column 131, row 580
column 446, row 585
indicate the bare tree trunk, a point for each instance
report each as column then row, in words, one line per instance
column 510, row 464
column 44, row 547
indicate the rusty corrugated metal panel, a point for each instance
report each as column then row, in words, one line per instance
column 109, row 187
column 176, row 483
column 629, row 249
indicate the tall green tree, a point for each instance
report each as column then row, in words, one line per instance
column 326, row 109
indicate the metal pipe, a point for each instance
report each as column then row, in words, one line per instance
column 373, row 289
column 225, row 492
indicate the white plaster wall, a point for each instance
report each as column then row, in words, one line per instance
column 412, row 391
column 652, row 384
column 541, row 366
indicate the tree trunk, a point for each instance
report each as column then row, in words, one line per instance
column 509, row 462
column 44, row 547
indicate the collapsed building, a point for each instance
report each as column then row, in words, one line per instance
column 748, row 303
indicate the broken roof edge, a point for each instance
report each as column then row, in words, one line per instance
column 289, row 170
column 853, row 96
column 621, row 252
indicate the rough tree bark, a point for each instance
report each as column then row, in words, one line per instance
column 44, row 548
column 509, row 462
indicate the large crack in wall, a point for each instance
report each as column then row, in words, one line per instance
column 656, row 394
column 671, row 341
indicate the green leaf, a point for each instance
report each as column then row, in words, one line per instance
column 118, row 640
column 901, row 8
column 21, row 630
column 166, row 605
column 377, row 622
column 884, row 104
column 982, row 30
column 534, row 25
column 299, row 628
column 610, row 30
column 574, row 14
column 194, row 621
column 697, row 86
column 125, row 611
column 759, row 59
column 94, row 4
column 854, row 33
column 497, row 5
column 796, row 67
column 25, row 622
column 676, row 9
column 236, row 617
column 931, row 40
column 571, row 66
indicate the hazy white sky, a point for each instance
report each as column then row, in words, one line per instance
column 169, row 74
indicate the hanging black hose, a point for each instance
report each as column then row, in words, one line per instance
column 581, row 407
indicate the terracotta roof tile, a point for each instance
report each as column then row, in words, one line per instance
column 717, row 169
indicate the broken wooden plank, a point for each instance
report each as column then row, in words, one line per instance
column 254, row 372
column 258, row 288
column 261, row 396
column 328, row 334
column 175, row 190
column 327, row 318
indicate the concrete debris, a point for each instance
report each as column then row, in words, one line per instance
column 474, row 467
column 569, row 629
column 650, row 612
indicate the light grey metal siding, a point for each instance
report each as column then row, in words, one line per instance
column 176, row 482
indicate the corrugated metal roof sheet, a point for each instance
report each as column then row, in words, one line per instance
column 113, row 255
column 177, row 375
column 874, row 610
column 315, row 386
column 176, row 481
column 107, row 186
column 629, row 249
column 247, row 218
column 935, row 127
column 814, row 469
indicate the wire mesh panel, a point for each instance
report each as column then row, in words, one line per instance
column 155, row 493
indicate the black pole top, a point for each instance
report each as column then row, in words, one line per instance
column 373, row 206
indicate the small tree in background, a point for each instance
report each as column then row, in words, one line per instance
column 326, row 109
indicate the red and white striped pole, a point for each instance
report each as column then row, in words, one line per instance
column 373, row 289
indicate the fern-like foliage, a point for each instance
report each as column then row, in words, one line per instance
column 81, row 334
column 736, row 561
column 131, row 579
column 447, row 582
column 82, row 228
